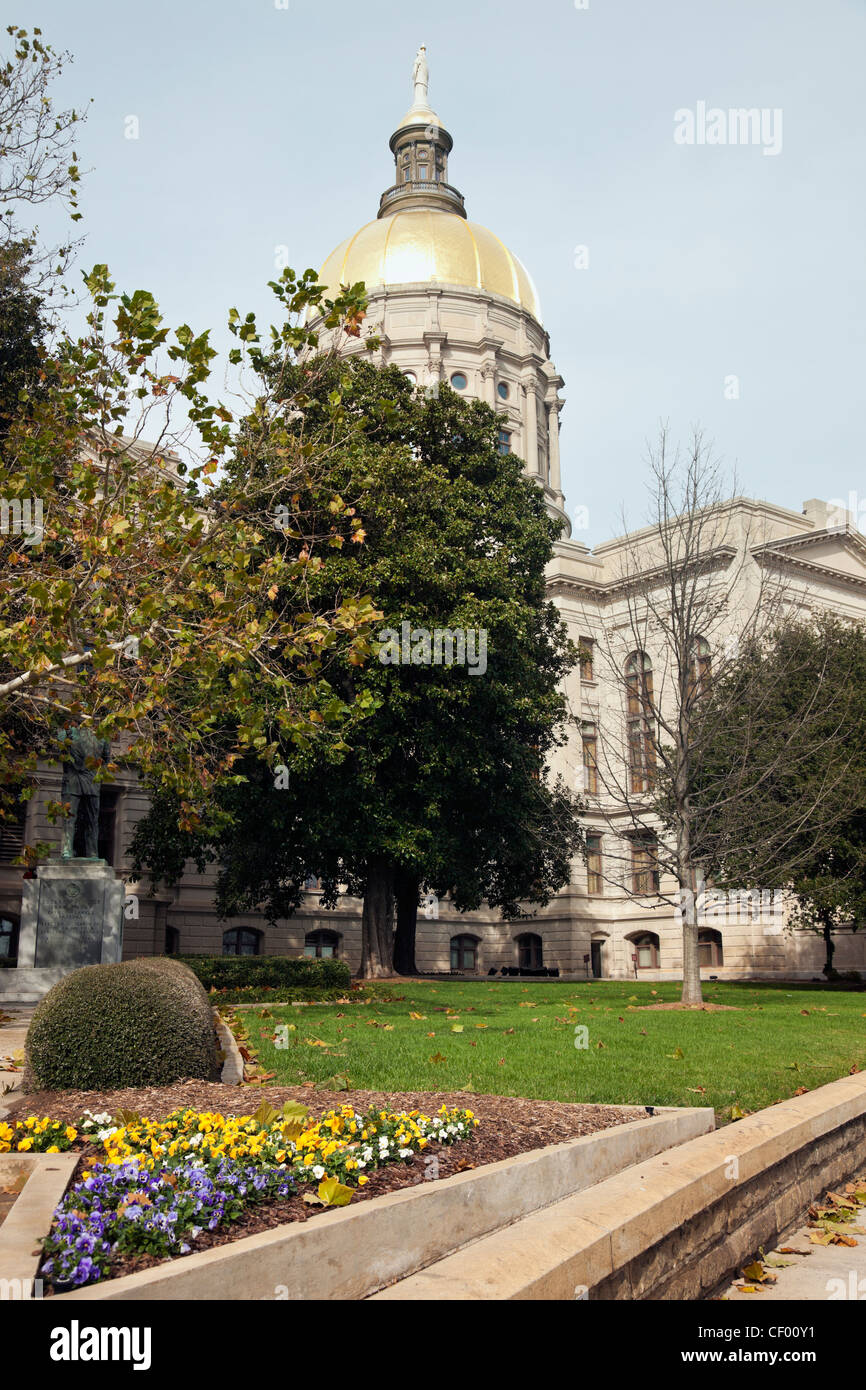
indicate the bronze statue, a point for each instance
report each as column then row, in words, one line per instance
column 80, row 788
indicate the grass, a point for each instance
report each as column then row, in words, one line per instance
column 519, row 1039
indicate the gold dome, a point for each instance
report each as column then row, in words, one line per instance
column 414, row 245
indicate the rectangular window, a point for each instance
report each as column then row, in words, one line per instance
column 594, row 866
column 644, row 866
column 641, row 755
column 586, row 651
column 12, row 833
column 505, row 441
column 590, row 762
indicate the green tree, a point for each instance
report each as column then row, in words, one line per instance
column 23, row 330
column 131, row 598
column 779, row 793
column 445, row 785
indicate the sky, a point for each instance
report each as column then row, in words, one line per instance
column 699, row 283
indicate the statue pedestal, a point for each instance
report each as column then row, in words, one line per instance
column 71, row 915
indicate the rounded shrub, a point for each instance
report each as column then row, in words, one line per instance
column 107, row 1027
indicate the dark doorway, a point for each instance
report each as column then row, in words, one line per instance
column 595, row 951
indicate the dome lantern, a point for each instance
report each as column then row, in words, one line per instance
column 421, row 147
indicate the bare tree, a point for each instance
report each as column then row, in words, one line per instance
column 696, row 589
column 38, row 161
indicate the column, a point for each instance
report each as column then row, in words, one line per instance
column 531, row 424
column 553, row 445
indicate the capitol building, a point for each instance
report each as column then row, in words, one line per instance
column 449, row 302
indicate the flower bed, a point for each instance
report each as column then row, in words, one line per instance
column 161, row 1184
column 38, row 1136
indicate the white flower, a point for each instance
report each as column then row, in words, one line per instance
column 361, row 1163
column 318, row 1171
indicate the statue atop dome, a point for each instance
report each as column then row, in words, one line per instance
column 420, row 77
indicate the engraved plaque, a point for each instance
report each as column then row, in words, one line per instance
column 70, row 922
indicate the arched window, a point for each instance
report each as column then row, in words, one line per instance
column 639, row 714
column 8, row 937
column 700, row 671
column 464, row 953
column 710, row 947
column 322, row 944
column 645, row 950
column 242, row 941
column 530, row 951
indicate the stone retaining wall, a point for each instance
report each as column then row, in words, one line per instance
column 673, row 1227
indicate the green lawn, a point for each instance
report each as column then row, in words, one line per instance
column 519, row 1039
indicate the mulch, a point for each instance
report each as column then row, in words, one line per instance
column 512, row 1122
column 509, row 1125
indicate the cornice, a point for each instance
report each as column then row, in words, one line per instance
column 604, row 591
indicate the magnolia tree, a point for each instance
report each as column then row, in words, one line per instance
column 130, row 599
column 446, row 788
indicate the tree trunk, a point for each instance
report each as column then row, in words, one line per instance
column 377, row 921
column 407, row 920
column 830, row 948
column 691, row 959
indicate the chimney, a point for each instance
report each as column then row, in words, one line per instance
column 816, row 511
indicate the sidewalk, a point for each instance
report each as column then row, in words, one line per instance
column 14, row 1022
column 816, row 1273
